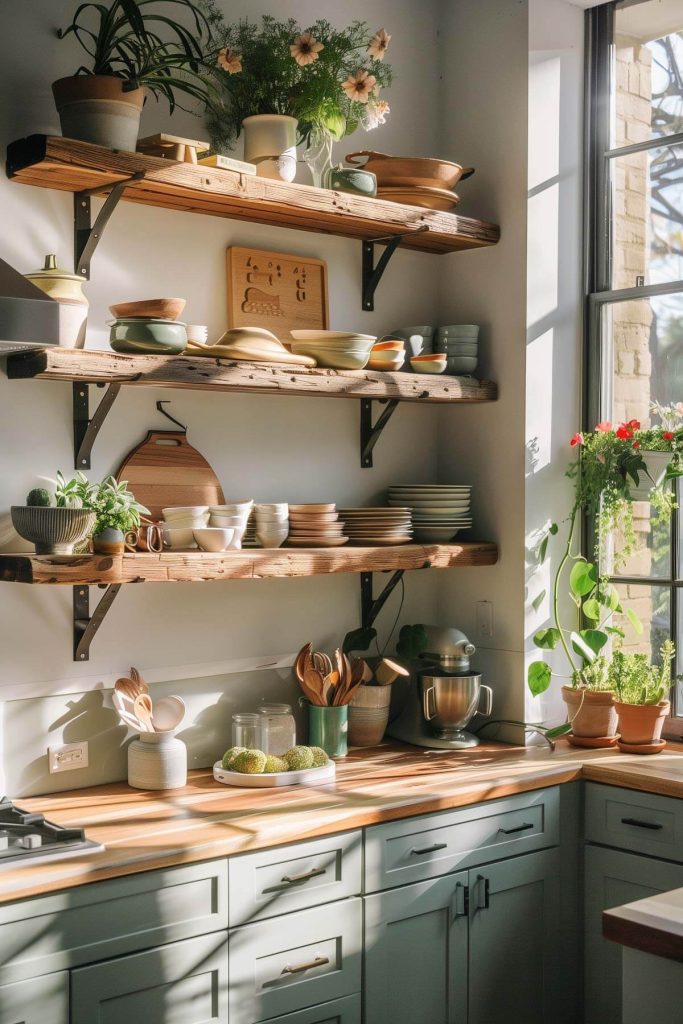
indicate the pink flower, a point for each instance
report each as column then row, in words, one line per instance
column 577, row 439
column 604, row 427
column 359, row 86
column 229, row 61
column 634, row 424
column 667, row 435
column 624, row 432
column 305, row 49
column 636, row 444
column 378, row 44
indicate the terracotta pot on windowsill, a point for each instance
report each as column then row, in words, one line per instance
column 642, row 724
column 591, row 712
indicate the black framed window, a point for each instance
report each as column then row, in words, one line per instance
column 634, row 271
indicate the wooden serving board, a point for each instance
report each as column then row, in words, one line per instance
column 277, row 291
column 166, row 471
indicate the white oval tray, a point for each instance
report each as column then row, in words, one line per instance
column 303, row 777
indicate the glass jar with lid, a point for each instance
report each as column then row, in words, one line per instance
column 278, row 728
column 246, row 731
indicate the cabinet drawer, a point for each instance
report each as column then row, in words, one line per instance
column 419, row 848
column 294, row 877
column 38, row 1001
column 339, row 1011
column 107, row 919
column 639, row 822
column 293, row 962
column 184, row 983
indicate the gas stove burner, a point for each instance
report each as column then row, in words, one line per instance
column 26, row 836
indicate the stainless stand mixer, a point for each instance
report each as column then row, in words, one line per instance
column 443, row 696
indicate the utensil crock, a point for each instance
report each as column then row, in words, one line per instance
column 157, row 760
column 328, row 728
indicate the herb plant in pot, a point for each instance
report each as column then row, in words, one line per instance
column 642, row 702
column 114, row 506
column 134, row 46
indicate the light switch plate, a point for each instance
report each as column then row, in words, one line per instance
column 484, row 620
column 67, row 757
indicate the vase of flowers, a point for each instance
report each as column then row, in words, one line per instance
column 326, row 81
column 116, row 510
column 134, row 48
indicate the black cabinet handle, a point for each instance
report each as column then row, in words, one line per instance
column 487, row 896
column 654, row 826
column 518, row 828
column 429, row 849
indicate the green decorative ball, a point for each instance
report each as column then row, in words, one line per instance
column 230, row 755
column 249, row 762
column 320, row 758
column 39, row 498
column 298, row 758
column 275, row 764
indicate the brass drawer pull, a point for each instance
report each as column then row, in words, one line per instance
column 518, row 828
column 654, row 826
column 429, row 849
column 318, row 962
column 313, row 873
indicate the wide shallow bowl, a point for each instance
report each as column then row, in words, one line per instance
column 213, row 538
column 418, row 195
column 410, row 170
column 53, row 531
column 387, row 346
column 156, row 309
column 331, row 336
column 302, row 777
column 424, row 364
column 147, row 336
column 386, row 365
column 351, row 358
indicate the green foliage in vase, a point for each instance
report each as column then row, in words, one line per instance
column 39, row 498
column 329, row 79
column 635, row 681
column 114, row 505
column 141, row 42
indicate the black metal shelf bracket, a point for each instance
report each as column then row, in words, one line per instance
column 369, row 431
column 371, row 606
column 371, row 272
column 87, row 427
column 86, row 624
column 86, row 234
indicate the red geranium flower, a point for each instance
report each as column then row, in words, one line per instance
column 667, row 435
column 636, row 444
column 604, row 427
column 624, row 432
column 577, row 439
column 634, row 424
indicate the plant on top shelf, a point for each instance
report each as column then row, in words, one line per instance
column 116, row 510
column 133, row 46
column 324, row 81
column 642, row 694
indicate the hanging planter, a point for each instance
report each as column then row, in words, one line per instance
column 652, row 476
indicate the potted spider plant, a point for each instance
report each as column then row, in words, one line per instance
column 134, row 47
column 642, row 698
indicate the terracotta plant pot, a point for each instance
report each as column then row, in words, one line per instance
column 369, row 715
column 591, row 712
column 95, row 108
column 642, row 723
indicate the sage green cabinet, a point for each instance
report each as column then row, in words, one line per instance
column 338, row 1011
column 476, row 947
column 183, row 983
column 612, row 878
column 39, row 1001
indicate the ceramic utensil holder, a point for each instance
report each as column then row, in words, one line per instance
column 328, row 728
column 369, row 715
column 157, row 760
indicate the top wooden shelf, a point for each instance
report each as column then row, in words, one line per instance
column 73, row 166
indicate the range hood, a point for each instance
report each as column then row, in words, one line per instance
column 28, row 317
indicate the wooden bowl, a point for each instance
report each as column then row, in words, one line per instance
column 401, row 171
column 156, row 309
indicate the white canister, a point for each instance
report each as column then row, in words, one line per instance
column 67, row 290
column 157, row 760
column 270, row 143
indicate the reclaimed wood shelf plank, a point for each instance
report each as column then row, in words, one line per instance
column 195, row 566
column 73, row 166
column 200, row 372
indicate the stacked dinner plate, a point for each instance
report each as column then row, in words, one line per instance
column 315, row 526
column 377, row 526
column 439, row 510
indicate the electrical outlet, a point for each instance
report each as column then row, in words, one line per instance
column 67, row 757
column 485, row 619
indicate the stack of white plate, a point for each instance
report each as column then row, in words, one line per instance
column 377, row 526
column 439, row 510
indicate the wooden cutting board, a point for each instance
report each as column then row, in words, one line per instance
column 277, row 291
column 166, row 471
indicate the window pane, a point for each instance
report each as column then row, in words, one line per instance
column 648, row 71
column 652, row 605
column 647, row 225
column 652, row 554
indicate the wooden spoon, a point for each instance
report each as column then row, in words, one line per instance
column 137, row 678
column 144, row 711
column 314, row 681
column 330, row 684
column 128, row 688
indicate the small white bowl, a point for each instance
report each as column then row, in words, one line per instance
column 272, row 539
column 185, row 510
column 429, row 365
column 179, row 539
column 212, row 538
column 197, row 332
column 230, row 506
column 228, row 522
column 272, row 517
column 280, row 507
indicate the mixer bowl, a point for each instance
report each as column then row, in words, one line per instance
column 450, row 702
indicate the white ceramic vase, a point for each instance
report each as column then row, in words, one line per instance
column 157, row 760
column 270, row 143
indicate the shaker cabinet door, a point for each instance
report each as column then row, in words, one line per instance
column 38, row 1001
column 183, row 983
column 515, row 939
column 416, row 953
column 613, row 878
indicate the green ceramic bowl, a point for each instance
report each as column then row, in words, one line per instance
column 148, row 336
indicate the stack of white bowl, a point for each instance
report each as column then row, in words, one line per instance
column 339, row 350
column 460, row 342
column 272, row 524
column 439, row 510
column 233, row 515
column 181, row 522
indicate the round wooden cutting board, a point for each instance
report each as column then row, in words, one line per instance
column 166, row 471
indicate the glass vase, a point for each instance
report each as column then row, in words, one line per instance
column 318, row 156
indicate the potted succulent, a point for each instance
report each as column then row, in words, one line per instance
column 53, row 529
column 283, row 82
column 133, row 46
column 642, row 701
column 115, row 509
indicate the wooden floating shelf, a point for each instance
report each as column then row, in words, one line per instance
column 195, row 567
column 73, row 166
column 199, row 372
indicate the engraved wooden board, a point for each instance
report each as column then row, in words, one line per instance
column 276, row 290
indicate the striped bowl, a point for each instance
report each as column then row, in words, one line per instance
column 54, row 531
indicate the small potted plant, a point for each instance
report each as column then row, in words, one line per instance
column 114, row 506
column 642, row 698
column 133, row 46
column 284, row 82
column 54, row 529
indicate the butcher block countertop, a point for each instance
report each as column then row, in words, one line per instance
column 653, row 925
column 142, row 830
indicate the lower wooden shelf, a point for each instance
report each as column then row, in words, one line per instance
column 196, row 567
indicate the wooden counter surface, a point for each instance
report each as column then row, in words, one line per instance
column 653, row 925
column 142, row 830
